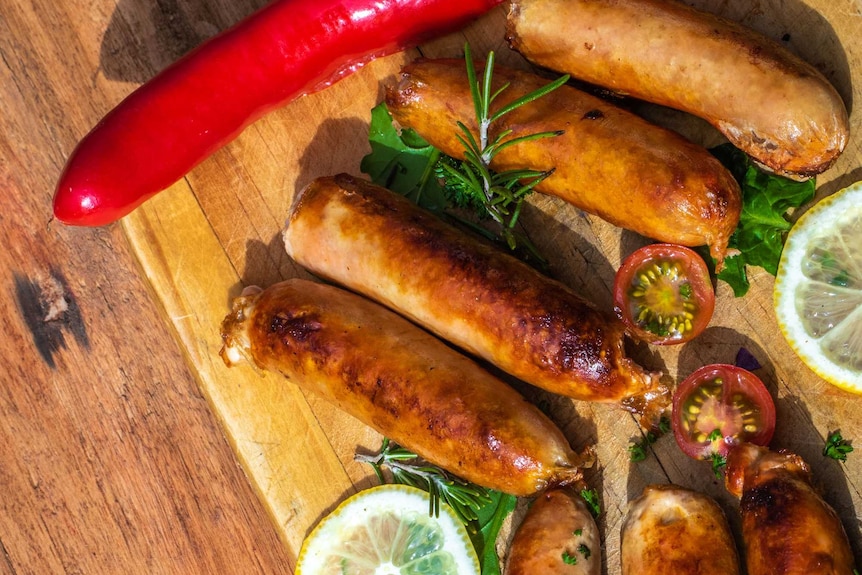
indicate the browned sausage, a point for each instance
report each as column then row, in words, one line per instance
column 670, row 529
column 479, row 298
column 558, row 536
column 401, row 381
column 765, row 100
column 787, row 528
column 608, row 162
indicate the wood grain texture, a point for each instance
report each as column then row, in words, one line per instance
column 127, row 446
column 111, row 459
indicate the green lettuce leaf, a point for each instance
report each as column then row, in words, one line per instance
column 763, row 223
column 484, row 531
column 402, row 162
column 405, row 163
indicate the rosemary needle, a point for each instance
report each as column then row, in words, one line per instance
column 502, row 194
column 408, row 468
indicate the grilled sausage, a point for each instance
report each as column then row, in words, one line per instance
column 787, row 528
column 488, row 303
column 670, row 529
column 558, row 536
column 607, row 162
column 401, row 381
column 765, row 100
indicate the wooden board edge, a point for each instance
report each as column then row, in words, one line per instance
column 192, row 279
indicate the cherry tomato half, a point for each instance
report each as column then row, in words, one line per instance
column 663, row 294
column 719, row 406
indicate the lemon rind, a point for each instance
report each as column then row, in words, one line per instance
column 783, row 299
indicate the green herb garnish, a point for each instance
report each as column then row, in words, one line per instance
column 591, row 497
column 502, row 194
column 664, row 425
column 485, row 530
column 569, row 559
column 403, row 162
column 837, row 447
column 482, row 510
column 638, row 450
column 408, row 468
column 719, row 462
column 584, row 550
column 763, row 224
column 406, row 164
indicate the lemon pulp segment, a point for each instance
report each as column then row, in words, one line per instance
column 818, row 289
column 387, row 530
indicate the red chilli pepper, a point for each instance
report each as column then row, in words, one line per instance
column 204, row 100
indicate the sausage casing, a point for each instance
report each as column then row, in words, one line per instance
column 608, row 162
column 787, row 528
column 558, row 536
column 670, row 529
column 486, row 302
column 764, row 99
column 401, row 381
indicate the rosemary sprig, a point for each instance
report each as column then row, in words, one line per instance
column 406, row 467
column 502, row 194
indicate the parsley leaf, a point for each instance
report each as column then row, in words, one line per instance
column 406, row 164
column 837, row 447
column 569, row 559
column 763, row 224
column 719, row 462
column 591, row 497
column 638, row 450
column 584, row 550
column 402, row 162
column 664, row 425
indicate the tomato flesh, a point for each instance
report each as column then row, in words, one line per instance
column 663, row 294
column 719, row 406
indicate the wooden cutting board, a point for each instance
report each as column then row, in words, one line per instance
column 218, row 230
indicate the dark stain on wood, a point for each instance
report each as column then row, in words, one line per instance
column 50, row 311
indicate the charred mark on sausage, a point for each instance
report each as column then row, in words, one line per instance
column 770, row 502
column 296, row 327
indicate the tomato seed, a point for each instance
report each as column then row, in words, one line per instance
column 664, row 307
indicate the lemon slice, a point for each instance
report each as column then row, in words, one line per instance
column 818, row 288
column 387, row 530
